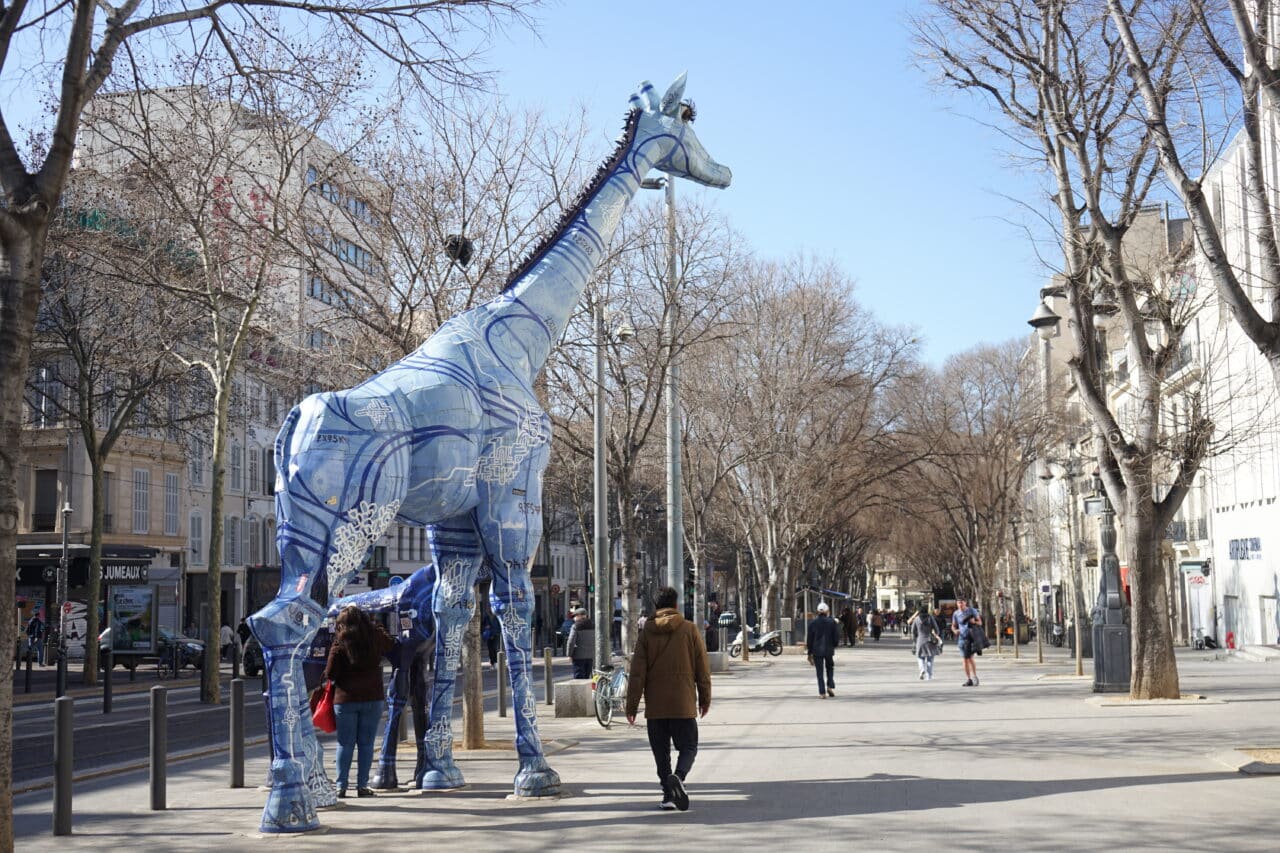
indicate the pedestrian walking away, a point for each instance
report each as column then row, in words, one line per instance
column 821, row 640
column 225, row 638
column 849, row 623
column 966, row 622
column 355, row 668
column 926, row 642
column 35, row 637
column 581, row 647
column 669, row 670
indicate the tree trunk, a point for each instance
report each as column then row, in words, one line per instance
column 769, row 605
column 210, row 688
column 473, row 687
column 95, row 571
column 1155, row 670
column 19, row 300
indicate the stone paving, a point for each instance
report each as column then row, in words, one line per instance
column 1025, row 761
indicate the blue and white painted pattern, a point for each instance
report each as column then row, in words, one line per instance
column 451, row 437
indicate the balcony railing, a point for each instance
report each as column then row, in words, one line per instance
column 1184, row 356
column 44, row 522
column 1188, row 530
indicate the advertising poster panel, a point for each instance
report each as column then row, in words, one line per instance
column 132, row 614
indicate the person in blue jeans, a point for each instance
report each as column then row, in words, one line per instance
column 355, row 668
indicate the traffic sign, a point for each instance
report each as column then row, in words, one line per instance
column 555, row 589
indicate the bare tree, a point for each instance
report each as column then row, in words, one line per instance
column 96, row 341
column 1191, row 135
column 984, row 427
column 815, row 430
column 633, row 277
column 1058, row 76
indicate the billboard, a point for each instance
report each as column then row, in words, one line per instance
column 131, row 611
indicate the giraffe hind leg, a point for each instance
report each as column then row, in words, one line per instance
column 455, row 547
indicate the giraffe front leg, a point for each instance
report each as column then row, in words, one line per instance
column 456, row 549
column 512, row 601
column 299, row 784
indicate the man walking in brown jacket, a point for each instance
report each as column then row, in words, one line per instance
column 670, row 670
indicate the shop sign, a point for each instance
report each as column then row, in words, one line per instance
column 1245, row 549
column 124, row 573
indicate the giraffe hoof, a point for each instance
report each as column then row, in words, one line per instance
column 442, row 780
column 537, row 783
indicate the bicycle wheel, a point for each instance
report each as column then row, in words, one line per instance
column 604, row 702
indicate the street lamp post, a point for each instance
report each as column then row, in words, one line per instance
column 60, row 687
column 604, row 593
column 603, row 570
column 675, row 507
column 1112, row 665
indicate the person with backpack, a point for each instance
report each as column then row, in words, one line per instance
column 967, row 623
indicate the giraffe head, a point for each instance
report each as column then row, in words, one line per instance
column 665, row 135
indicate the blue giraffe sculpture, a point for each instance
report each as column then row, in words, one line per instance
column 451, row 437
column 409, row 605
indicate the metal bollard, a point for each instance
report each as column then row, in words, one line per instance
column 235, row 660
column 27, row 685
column 63, row 727
column 546, row 666
column 110, row 663
column 159, row 745
column 237, row 733
column 502, row 684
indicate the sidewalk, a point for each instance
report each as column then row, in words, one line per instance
column 1026, row 761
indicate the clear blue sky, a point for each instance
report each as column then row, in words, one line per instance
column 839, row 145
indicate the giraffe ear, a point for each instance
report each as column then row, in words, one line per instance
column 671, row 100
column 645, row 98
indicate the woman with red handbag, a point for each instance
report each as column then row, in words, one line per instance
column 355, row 669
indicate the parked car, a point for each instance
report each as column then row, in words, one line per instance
column 190, row 650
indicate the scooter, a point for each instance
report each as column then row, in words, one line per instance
column 1058, row 635
column 770, row 642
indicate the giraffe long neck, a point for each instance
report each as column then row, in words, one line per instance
column 550, row 283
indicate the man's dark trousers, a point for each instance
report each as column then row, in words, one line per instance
column 828, row 661
column 684, row 733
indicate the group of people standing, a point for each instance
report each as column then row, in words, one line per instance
column 924, row 628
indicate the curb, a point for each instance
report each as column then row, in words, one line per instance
column 129, row 767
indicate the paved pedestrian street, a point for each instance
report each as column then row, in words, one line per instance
column 1029, row 760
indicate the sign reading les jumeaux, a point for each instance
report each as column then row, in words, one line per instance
column 124, row 573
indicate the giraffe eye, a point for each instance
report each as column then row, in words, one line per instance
column 688, row 112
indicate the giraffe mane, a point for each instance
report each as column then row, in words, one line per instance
column 602, row 174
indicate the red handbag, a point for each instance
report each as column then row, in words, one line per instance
column 322, row 716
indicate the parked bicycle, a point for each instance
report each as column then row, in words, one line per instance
column 609, row 689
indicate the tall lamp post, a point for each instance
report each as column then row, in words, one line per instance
column 603, row 565
column 60, row 687
column 1112, row 665
column 675, row 507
